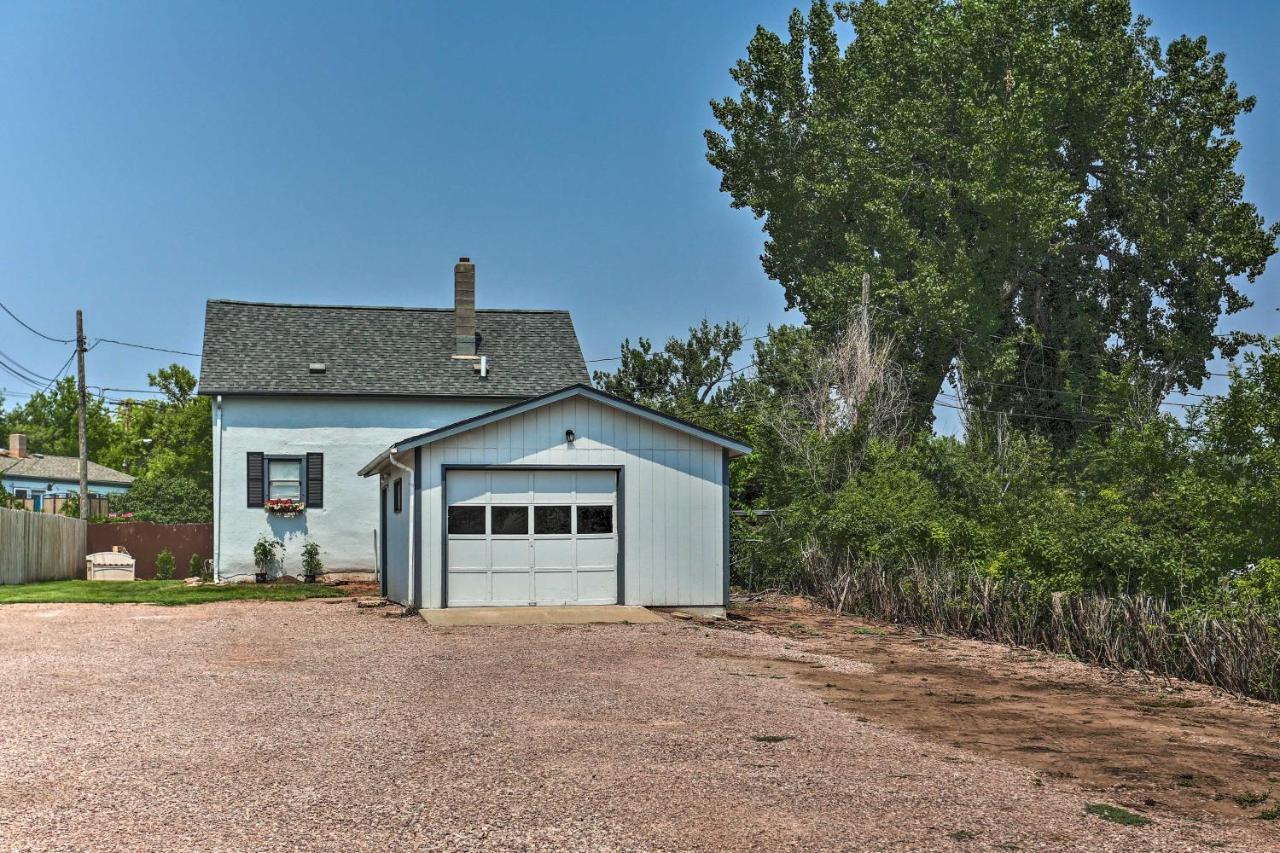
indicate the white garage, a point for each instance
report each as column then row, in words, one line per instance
column 573, row 498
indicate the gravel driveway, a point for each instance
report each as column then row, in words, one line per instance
column 314, row 725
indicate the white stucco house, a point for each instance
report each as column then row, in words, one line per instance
column 459, row 454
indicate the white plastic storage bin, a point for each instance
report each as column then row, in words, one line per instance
column 109, row 566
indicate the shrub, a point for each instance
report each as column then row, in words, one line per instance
column 164, row 565
column 267, row 552
column 311, row 563
column 1260, row 584
column 195, row 567
column 166, row 500
column 1236, row 650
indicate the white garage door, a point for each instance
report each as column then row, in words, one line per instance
column 532, row 537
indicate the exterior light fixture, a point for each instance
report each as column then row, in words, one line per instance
column 569, row 436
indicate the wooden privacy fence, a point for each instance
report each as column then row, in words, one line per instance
column 37, row 546
column 144, row 540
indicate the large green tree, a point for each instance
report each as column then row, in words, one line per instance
column 683, row 378
column 1042, row 194
column 49, row 421
column 165, row 443
column 170, row 437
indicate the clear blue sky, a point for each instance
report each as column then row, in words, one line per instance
column 156, row 154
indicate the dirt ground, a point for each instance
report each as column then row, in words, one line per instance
column 1158, row 747
column 316, row 725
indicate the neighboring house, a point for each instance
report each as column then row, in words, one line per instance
column 304, row 395
column 42, row 480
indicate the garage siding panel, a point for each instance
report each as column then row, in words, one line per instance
column 672, row 513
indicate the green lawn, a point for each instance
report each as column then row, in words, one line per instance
column 157, row 592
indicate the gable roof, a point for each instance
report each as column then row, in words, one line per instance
column 266, row 349
column 735, row 447
column 61, row 469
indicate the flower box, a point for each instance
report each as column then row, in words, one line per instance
column 285, row 507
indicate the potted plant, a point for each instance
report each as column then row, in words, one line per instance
column 312, row 566
column 284, row 507
column 266, row 553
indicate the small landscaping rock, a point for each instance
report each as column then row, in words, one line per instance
column 372, row 602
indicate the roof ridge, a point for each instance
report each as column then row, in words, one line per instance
column 106, row 474
column 75, row 459
column 405, row 308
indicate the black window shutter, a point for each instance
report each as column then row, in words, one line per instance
column 254, row 479
column 315, row 480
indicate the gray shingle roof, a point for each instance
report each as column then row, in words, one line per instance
column 266, row 348
column 60, row 468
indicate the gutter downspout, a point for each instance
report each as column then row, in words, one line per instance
column 413, row 522
column 217, row 510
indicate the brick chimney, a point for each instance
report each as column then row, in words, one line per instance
column 17, row 445
column 464, row 307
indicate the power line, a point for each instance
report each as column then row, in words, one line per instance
column 61, row 371
column 129, row 390
column 26, row 374
column 19, row 376
column 963, row 407
column 145, row 346
column 948, row 401
column 1028, row 388
column 97, row 341
column 663, row 351
column 35, row 331
column 1006, row 338
column 1067, row 393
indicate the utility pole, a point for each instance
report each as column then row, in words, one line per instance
column 84, row 439
column 866, row 305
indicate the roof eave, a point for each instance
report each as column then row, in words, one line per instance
column 239, row 392
column 36, row 478
column 376, row 464
column 733, row 446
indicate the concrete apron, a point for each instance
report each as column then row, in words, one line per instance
column 457, row 617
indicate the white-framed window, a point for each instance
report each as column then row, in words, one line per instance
column 284, row 477
column 22, row 494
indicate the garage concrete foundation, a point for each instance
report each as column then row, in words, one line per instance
column 574, row 615
column 697, row 612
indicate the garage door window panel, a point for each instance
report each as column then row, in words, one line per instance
column 552, row 521
column 466, row 520
column 510, row 520
column 595, row 520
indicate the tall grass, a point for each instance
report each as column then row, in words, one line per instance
column 1237, row 651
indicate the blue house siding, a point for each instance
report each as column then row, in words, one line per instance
column 41, row 488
